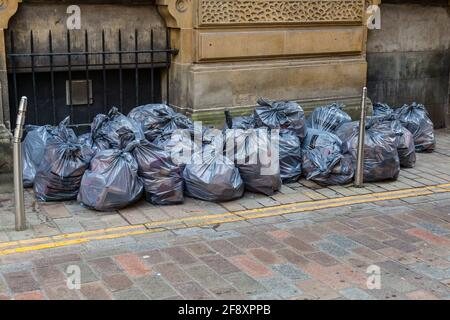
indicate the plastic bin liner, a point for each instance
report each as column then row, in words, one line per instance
column 381, row 161
column 256, row 172
column 415, row 118
column 405, row 140
column 111, row 129
column 159, row 120
column 212, row 177
column 328, row 118
column 33, row 149
column 58, row 177
column 162, row 178
column 244, row 122
column 323, row 159
column 290, row 156
column 34, row 145
column 281, row 115
column 112, row 182
column 382, row 109
column 94, row 139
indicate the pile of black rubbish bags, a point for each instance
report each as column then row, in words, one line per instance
column 124, row 157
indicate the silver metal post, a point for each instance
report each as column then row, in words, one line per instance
column 359, row 174
column 21, row 223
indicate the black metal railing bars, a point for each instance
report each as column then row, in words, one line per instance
column 87, row 75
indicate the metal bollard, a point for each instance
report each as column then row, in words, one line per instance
column 359, row 174
column 21, row 223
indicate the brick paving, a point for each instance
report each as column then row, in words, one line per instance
column 316, row 257
column 323, row 254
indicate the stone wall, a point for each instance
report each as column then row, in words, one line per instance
column 409, row 58
column 234, row 51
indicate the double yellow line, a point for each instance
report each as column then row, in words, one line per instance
column 63, row 240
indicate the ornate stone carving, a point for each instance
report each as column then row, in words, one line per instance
column 213, row 12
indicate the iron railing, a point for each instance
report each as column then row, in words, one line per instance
column 126, row 76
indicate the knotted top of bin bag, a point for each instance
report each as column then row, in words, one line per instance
column 381, row 161
column 415, row 118
column 244, row 122
column 281, row 115
column 323, row 159
column 109, row 129
column 211, row 176
column 382, row 109
column 162, row 178
column 328, row 118
column 59, row 175
column 94, row 139
column 112, row 182
column 35, row 143
column 159, row 120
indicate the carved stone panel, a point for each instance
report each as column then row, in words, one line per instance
column 223, row 12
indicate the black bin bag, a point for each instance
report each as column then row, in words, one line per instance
column 415, row 118
column 290, row 156
column 33, row 148
column 112, row 182
column 404, row 140
column 382, row 109
column 34, row 145
column 162, row 178
column 328, row 118
column 258, row 167
column 58, row 177
column 323, row 159
column 107, row 131
column 281, row 115
column 94, row 139
column 211, row 176
column 381, row 161
column 159, row 120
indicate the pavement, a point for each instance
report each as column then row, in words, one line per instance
column 306, row 242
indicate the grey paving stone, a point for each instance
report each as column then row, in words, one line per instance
column 155, row 287
column 13, row 267
column 332, row 249
column 401, row 245
column 355, row 294
column 213, row 235
column 397, row 283
column 429, row 271
column 290, row 271
column 206, row 277
column 130, row 294
column 433, row 228
column 245, row 284
column 192, row 291
column 342, row 241
column 21, row 281
column 281, row 287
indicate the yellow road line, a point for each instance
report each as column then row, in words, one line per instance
column 211, row 219
column 75, row 241
column 366, row 197
column 69, row 235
